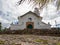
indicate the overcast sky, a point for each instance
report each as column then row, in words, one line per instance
column 9, row 11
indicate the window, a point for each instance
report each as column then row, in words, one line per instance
column 17, row 22
column 22, row 22
column 38, row 23
column 30, row 19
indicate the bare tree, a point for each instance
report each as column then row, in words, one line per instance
column 0, row 26
column 41, row 3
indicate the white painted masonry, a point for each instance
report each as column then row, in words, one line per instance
column 36, row 19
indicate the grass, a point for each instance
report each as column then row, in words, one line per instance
column 41, row 40
column 2, row 42
column 58, row 43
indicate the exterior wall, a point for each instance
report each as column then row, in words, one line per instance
column 37, row 23
column 16, row 27
column 42, row 26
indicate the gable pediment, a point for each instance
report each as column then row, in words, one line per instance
column 31, row 13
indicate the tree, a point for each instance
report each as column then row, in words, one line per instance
column 58, row 4
column 41, row 3
column 0, row 25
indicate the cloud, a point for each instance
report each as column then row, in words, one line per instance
column 50, row 12
column 9, row 12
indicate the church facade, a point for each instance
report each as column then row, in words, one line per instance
column 30, row 20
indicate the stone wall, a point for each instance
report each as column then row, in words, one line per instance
column 52, row 32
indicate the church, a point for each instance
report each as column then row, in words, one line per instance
column 30, row 20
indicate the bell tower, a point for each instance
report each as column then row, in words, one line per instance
column 36, row 10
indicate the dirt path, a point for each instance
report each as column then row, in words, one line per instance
column 28, row 40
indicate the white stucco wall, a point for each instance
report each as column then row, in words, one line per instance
column 35, row 19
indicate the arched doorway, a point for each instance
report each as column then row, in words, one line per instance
column 30, row 26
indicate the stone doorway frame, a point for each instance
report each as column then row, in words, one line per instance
column 27, row 23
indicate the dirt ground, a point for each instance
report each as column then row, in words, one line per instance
column 6, row 39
